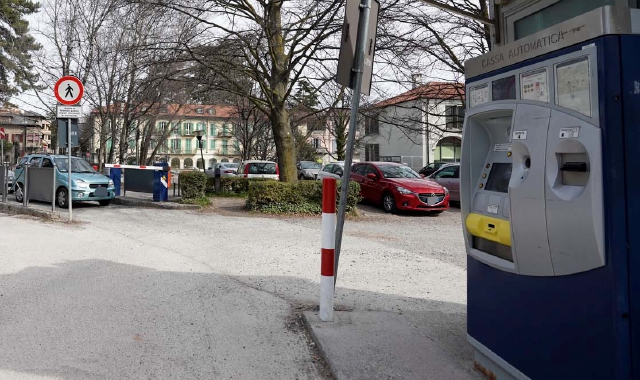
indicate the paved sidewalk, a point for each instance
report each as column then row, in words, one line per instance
column 386, row 345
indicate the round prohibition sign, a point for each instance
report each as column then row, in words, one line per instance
column 68, row 90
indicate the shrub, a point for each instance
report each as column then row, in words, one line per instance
column 236, row 185
column 302, row 197
column 192, row 184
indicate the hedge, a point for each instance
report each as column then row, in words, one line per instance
column 237, row 185
column 301, row 197
column 193, row 184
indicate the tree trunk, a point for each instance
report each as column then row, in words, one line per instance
column 278, row 81
column 284, row 144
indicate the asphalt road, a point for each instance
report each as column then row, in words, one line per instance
column 130, row 293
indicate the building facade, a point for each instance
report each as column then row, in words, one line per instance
column 174, row 136
column 418, row 127
column 28, row 132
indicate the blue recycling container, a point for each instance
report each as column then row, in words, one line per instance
column 161, row 183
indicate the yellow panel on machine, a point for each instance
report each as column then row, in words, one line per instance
column 486, row 227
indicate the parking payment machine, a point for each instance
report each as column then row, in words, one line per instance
column 551, row 142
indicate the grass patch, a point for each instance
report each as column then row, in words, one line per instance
column 226, row 195
column 201, row 201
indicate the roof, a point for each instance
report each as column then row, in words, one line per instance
column 431, row 90
column 176, row 110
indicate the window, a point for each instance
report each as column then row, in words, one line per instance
column 199, row 110
column 175, row 127
column 358, row 169
column 213, row 129
column 337, row 170
column 397, row 171
column 448, row 150
column 201, row 127
column 188, row 146
column 454, row 117
column 449, row 172
column 334, row 146
column 372, row 152
column 369, row 169
column 186, row 128
column 328, row 168
column 225, row 147
column 316, row 143
column 212, row 144
column 162, row 126
column 46, row 163
column 176, row 143
column 371, row 125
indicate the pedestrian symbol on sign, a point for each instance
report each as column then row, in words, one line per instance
column 69, row 92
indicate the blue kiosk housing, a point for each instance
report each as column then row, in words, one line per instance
column 550, row 190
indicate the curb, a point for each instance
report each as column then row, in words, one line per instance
column 16, row 209
column 321, row 349
column 150, row 204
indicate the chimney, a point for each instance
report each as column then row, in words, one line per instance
column 416, row 80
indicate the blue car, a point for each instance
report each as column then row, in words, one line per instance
column 86, row 183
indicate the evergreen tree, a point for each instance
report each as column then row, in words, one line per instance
column 16, row 45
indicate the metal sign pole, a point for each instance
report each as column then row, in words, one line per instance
column 363, row 27
column 69, row 170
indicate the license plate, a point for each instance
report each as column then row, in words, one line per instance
column 433, row 200
column 101, row 192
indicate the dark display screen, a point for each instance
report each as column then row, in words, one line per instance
column 504, row 88
column 499, row 177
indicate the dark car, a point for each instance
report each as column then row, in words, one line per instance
column 431, row 168
column 398, row 187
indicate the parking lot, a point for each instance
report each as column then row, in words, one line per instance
column 173, row 283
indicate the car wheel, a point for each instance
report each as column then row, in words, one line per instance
column 19, row 193
column 389, row 203
column 62, row 198
column 105, row 202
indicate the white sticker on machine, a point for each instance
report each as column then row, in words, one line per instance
column 492, row 209
column 569, row 133
column 502, row 147
column 519, row 135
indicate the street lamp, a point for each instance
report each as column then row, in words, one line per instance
column 199, row 134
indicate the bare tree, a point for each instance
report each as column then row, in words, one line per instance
column 276, row 42
column 252, row 130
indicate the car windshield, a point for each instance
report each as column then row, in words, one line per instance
column 230, row 166
column 397, row 171
column 77, row 165
column 310, row 165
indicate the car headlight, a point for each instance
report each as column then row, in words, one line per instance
column 446, row 191
column 402, row 190
column 111, row 184
column 82, row 184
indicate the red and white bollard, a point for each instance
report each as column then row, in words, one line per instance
column 328, row 248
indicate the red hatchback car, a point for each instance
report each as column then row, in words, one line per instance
column 398, row 187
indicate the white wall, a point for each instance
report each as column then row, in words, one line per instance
column 401, row 135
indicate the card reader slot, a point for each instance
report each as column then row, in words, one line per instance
column 574, row 167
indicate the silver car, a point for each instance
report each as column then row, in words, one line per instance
column 332, row 170
column 449, row 176
column 223, row 169
column 308, row 169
